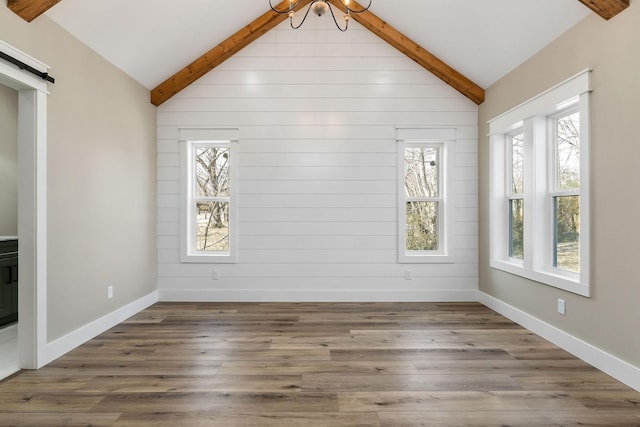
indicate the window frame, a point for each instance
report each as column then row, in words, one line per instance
column 188, row 251
column 444, row 253
column 535, row 118
column 510, row 194
column 553, row 190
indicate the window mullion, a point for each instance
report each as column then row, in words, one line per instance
column 535, row 191
column 211, row 199
column 563, row 193
column 423, row 199
column 528, row 192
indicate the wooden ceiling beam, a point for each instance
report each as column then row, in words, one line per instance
column 220, row 53
column 270, row 19
column 606, row 8
column 417, row 53
column 30, row 9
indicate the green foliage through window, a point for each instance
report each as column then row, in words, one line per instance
column 516, row 228
column 566, row 248
column 422, row 226
column 567, row 233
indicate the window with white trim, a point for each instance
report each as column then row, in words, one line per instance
column 565, row 190
column 423, row 208
column 208, row 213
column 515, row 195
column 540, row 187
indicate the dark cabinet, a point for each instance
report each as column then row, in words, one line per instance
column 8, row 282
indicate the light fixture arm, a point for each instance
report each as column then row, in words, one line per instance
column 327, row 5
column 346, row 18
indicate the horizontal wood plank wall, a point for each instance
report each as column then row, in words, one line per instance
column 317, row 112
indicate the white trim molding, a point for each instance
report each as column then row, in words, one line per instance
column 23, row 57
column 600, row 359
column 32, row 206
column 81, row 335
column 191, row 139
column 534, row 119
column 442, row 139
column 292, row 295
column 546, row 102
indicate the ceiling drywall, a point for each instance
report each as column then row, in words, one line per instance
column 152, row 39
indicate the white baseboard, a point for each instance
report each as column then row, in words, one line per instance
column 81, row 335
column 611, row 365
column 292, row 295
column 607, row 363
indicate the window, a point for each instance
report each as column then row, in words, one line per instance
column 565, row 192
column 423, row 197
column 209, row 201
column 422, row 203
column 515, row 194
column 539, row 191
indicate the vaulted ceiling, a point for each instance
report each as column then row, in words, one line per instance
column 479, row 41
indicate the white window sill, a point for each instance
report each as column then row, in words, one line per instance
column 426, row 258
column 209, row 259
column 547, row 278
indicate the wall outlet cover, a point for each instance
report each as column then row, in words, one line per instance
column 562, row 306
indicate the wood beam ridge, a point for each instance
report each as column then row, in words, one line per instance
column 30, row 9
column 606, row 8
column 417, row 53
column 220, row 53
column 270, row 19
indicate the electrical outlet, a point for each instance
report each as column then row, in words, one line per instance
column 216, row 275
column 109, row 292
column 562, row 306
column 407, row 275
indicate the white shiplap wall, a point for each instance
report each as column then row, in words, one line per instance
column 317, row 113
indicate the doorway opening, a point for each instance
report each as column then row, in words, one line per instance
column 8, row 231
column 32, row 214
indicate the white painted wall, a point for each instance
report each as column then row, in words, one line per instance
column 317, row 113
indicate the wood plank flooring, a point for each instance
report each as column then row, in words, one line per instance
column 307, row 364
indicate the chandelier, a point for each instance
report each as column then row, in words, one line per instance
column 320, row 7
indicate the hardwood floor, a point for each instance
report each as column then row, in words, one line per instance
column 304, row 364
